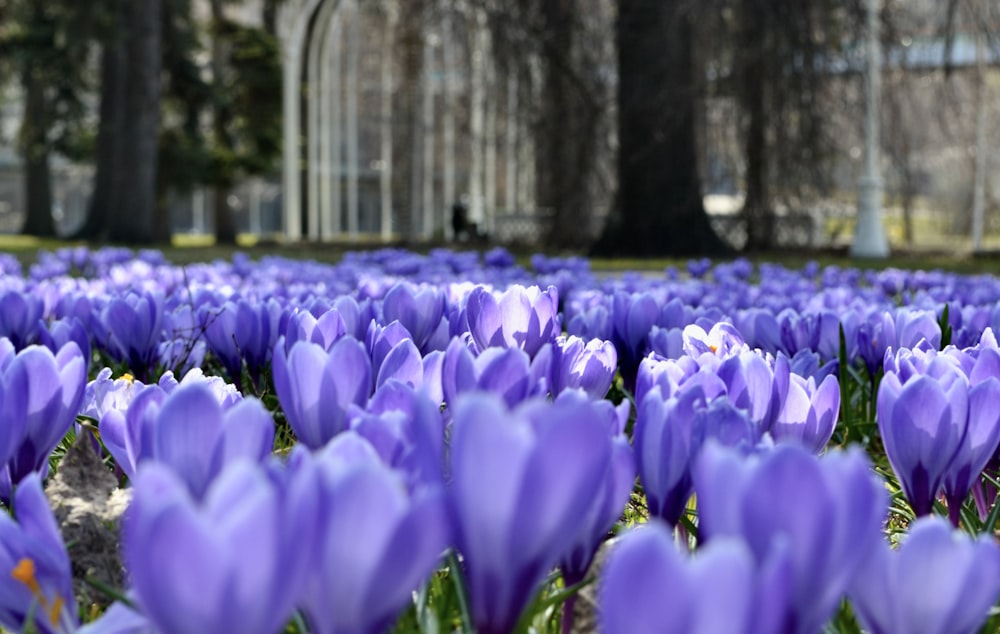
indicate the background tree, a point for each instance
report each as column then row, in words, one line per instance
column 246, row 111
column 46, row 45
column 780, row 65
column 659, row 209
column 124, row 200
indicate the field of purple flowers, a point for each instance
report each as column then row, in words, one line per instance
column 448, row 442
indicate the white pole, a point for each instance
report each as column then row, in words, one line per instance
column 490, row 141
column 869, row 234
column 353, row 29
column 427, row 133
column 198, row 211
column 293, row 20
column 385, row 125
column 290, row 152
column 477, row 107
column 329, row 140
column 334, row 220
column 255, row 207
column 979, row 178
column 316, row 85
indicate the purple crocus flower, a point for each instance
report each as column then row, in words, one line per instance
column 323, row 330
column 61, row 332
column 520, row 482
column 105, row 393
column 406, row 428
column 590, row 366
column 632, row 318
column 374, row 544
column 939, row 581
column 43, row 393
column 418, row 309
column 722, row 340
column 132, row 326
column 20, row 313
column 648, row 587
column 189, row 560
column 914, row 325
column 827, row 512
column 242, row 331
column 35, row 578
column 876, row 334
column 669, row 434
column 614, row 491
column 525, row 318
column 189, row 431
column 316, row 387
column 507, row 372
column 809, row 414
column 925, row 422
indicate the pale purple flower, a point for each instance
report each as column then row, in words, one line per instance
column 35, row 577
column 809, row 413
column 525, row 318
column 826, row 511
column 939, row 581
column 231, row 562
column 648, row 587
column 520, row 481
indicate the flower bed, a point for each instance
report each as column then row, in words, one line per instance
column 425, row 443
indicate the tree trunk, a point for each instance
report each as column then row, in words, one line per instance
column 568, row 127
column 35, row 149
column 758, row 212
column 135, row 220
column 109, row 170
column 660, row 210
column 222, row 213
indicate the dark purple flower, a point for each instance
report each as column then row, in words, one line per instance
column 241, row 331
column 632, row 318
column 20, row 313
column 132, row 326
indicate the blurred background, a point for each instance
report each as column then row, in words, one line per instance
column 628, row 126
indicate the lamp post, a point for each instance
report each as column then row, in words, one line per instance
column 869, row 233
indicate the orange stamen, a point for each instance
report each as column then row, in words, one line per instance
column 24, row 572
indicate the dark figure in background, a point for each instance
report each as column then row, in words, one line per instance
column 459, row 219
column 460, row 225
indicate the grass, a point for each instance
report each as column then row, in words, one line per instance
column 948, row 253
